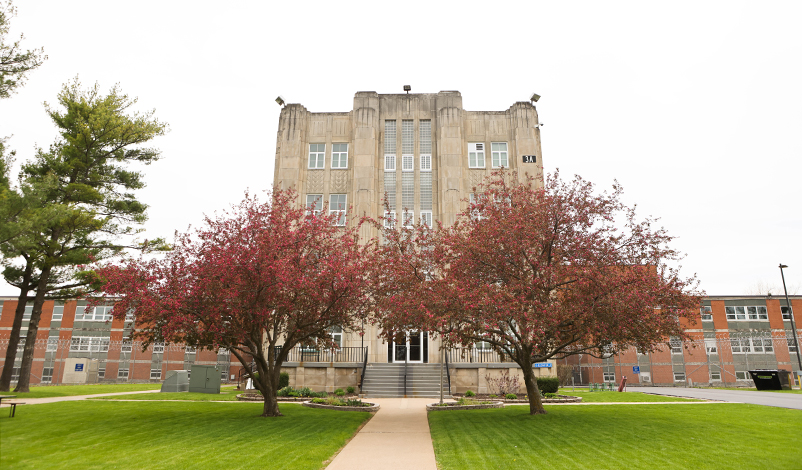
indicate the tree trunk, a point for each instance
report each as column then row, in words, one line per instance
column 535, row 403
column 13, row 340
column 23, row 385
column 269, row 384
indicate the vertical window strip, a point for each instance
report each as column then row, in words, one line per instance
column 389, row 189
column 389, row 137
column 407, row 137
column 408, row 190
column 425, row 130
column 426, row 191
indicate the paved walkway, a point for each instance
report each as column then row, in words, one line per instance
column 39, row 401
column 781, row 400
column 397, row 437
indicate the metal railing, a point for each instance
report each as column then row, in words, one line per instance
column 364, row 366
column 473, row 355
column 348, row 354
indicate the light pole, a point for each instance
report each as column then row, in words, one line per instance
column 793, row 325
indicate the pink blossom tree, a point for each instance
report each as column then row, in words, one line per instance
column 539, row 274
column 257, row 280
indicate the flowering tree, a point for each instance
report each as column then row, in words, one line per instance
column 258, row 281
column 539, row 274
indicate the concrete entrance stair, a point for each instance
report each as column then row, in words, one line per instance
column 387, row 381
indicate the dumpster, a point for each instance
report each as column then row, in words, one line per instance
column 771, row 379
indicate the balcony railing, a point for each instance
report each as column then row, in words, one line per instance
column 473, row 355
column 349, row 354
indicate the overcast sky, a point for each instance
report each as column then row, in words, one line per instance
column 695, row 108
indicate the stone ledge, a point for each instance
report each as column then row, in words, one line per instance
column 370, row 409
column 437, row 407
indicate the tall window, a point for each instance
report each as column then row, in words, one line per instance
column 58, row 312
column 499, row 154
column 317, row 156
column 676, row 345
column 314, row 204
column 339, row 156
column 337, row 335
column 707, row 313
column 476, row 155
column 407, row 137
column 786, row 311
column 337, row 206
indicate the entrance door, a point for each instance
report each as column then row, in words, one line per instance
column 408, row 346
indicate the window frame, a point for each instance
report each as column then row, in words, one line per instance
column 342, row 160
column 320, row 157
column 473, row 149
column 389, row 162
column 154, row 372
column 786, row 312
column 122, row 373
column 746, row 313
column 677, row 376
column 319, row 200
column 706, row 312
column 58, row 313
column 408, row 219
column 606, row 375
column 407, row 163
column 426, row 162
column 424, row 215
column 342, row 218
column 505, row 152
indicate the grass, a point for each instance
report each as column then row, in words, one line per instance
column 171, row 435
column 714, row 436
column 73, row 390
column 616, row 397
column 229, row 394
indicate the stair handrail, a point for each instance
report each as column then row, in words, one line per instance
column 364, row 366
column 448, row 374
column 406, row 362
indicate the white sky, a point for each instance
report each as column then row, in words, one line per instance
column 695, row 107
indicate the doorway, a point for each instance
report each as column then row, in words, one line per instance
column 409, row 346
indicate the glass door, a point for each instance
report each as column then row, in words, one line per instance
column 408, row 346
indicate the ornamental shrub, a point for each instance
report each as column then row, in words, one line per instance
column 339, row 392
column 350, row 389
column 285, row 391
column 550, row 395
column 512, row 396
column 469, row 393
column 305, row 392
column 318, row 400
column 493, row 395
column 283, row 380
column 548, row 384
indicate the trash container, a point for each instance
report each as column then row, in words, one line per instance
column 771, row 379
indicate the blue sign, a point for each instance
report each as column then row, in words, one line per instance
column 636, row 369
column 538, row 365
column 79, row 367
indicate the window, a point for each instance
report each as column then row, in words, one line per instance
column 498, row 152
column 390, row 138
column 389, row 219
column 158, row 348
column 740, row 345
column 746, row 313
column 15, row 374
column 100, row 313
column 476, row 155
column 676, row 345
column 337, row 335
column 407, row 163
column 407, row 137
column 21, row 344
column 389, row 163
column 127, row 346
column 314, row 204
column 28, row 312
column 475, row 214
column 408, row 219
column 122, row 374
column 715, row 376
column 426, row 218
column 224, row 376
column 189, row 350
column 748, row 345
column 609, row 376
column 58, row 312
column 710, row 346
column 339, row 156
column 129, row 316
column 337, row 206
column 89, row 344
column 317, row 156
column 47, row 375
column 789, row 336
column 787, row 311
column 425, row 163
column 101, row 373
column 155, row 374
column 52, row 344
column 762, row 345
column 742, row 375
column 222, row 352
column 679, row 376
column 707, row 313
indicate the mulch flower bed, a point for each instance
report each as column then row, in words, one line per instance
column 521, row 398
column 251, row 395
column 367, row 407
column 452, row 406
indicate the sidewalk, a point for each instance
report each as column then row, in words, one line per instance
column 39, row 401
column 397, row 437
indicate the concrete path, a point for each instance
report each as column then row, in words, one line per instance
column 397, row 437
column 39, row 401
column 781, row 400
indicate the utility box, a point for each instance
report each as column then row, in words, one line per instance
column 771, row 379
column 80, row 370
column 176, row 381
column 204, row 379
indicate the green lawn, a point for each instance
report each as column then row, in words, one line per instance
column 72, row 390
column 714, row 436
column 171, row 435
column 614, row 397
column 226, row 394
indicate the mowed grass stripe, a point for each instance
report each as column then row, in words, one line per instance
column 716, row 436
column 171, row 435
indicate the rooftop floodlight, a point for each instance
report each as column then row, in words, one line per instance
column 407, row 88
column 280, row 100
column 534, row 97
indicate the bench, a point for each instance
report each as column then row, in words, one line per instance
column 13, row 405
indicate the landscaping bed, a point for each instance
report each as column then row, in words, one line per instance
column 464, row 404
column 521, row 398
column 342, row 405
column 288, row 394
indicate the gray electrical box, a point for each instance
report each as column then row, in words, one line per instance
column 204, row 379
column 176, row 381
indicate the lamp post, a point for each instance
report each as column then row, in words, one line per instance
column 791, row 315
